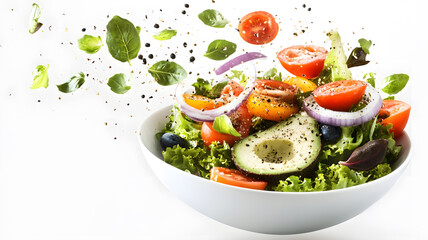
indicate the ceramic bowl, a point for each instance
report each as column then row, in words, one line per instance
column 265, row 211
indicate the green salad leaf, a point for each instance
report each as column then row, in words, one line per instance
column 119, row 83
column 272, row 74
column 369, row 77
column 36, row 13
column 220, row 49
column 239, row 75
column 365, row 44
column 123, row 40
column 73, row 84
column 205, row 88
column 222, row 124
column 167, row 73
column 351, row 138
column 165, row 34
column 40, row 77
column 395, row 83
column 336, row 59
column 90, row 44
column 213, row 18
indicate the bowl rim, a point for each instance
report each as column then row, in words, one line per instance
column 391, row 175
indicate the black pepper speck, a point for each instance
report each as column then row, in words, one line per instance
column 192, row 59
column 172, row 55
column 147, row 44
column 156, row 25
column 150, row 56
column 186, row 5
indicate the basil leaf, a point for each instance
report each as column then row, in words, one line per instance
column 369, row 77
column 389, row 98
column 165, row 34
column 216, row 91
column 222, row 124
column 220, row 49
column 213, row 18
column 35, row 25
column 90, row 44
column 122, row 39
column 119, row 83
column 167, row 73
column 357, row 58
column 395, row 83
column 365, row 44
column 73, row 84
column 40, row 77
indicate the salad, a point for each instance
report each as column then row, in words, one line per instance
column 315, row 130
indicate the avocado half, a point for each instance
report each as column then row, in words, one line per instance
column 291, row 147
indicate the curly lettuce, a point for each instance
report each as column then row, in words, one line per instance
column 351, row 138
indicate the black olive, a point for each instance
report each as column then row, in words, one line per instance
column 330, row 134
column 170, row 140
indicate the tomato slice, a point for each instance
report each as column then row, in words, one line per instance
column 235, row 178
column 272, row 100
column 340, row 95
column 303, row 60
column 258, row 28
column 241, row 120
column 201, row 102
column 396, row 113
column 303, row 84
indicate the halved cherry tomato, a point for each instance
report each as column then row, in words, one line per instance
column 231, row 89
column 235, row 178
column 395, row 112
column 303, row 60
column 241, row 120
column 258, row 28
column 303, row 84
column 201, row 102
column 272, row 100
column 340, row 95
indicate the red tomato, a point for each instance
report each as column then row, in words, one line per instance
column 235, row 178
column 303, row 60
column 241, row 120
column 231, row 89
column 258, row 28
column 340, row 95
column 395, row 112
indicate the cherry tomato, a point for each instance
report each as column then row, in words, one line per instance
column 303, row 60
column 395, row 112
column 201, row 102
column 231, row 89
column 272, row 100
column 241, row 120
column 340, row 95
column 258, row 28
column 235, row 178
column 303, row 84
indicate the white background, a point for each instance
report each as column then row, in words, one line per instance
column 70, row 164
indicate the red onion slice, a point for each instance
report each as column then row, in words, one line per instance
column 344, row 119
column 210, row 115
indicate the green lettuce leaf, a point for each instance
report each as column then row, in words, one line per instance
column 336, row 59
column 352, row 137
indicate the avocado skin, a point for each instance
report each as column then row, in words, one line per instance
column 307, row 172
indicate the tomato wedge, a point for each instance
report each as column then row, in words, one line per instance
column 201, row 102
column 303, row 84
column 303, row 60
column 235, row 178
column 258, row 28
column 340, row 95
column 396, row 113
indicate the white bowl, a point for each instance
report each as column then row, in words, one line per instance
column 265, row 211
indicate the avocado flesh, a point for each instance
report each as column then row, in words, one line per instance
column 289, row 148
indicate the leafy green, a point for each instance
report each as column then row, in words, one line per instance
column 272, row 75
column 122, row 39
column 357, row 58
column 389, row 98
column 365, row 44
column 73, row 84
column 369, row 77
column 222, row 124
column 165, row 34
column 40, row 77
column 239, row 75
column 336, row 59
column 138, row 28
column 167, row 73
column 330, row 177
column 36, row 13
column 205, row 88
column 220, row 49
column 395, row 83
column 90, row 44
column 213, row 18
column 184, row 127
column 119, row 83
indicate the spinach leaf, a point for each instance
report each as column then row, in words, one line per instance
column 122, row 39
column 90, row 44
column 40, row 77
column 395, row 83
column 205, row 88
column 165, row 34
column 365, row 44
column 213, row 18
column 222, row 124
column 35, row 25
column 73, row 84
column 220, row 49
column 357, row 58
column 369, row 77
column 167, row 73
column 119, row 83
